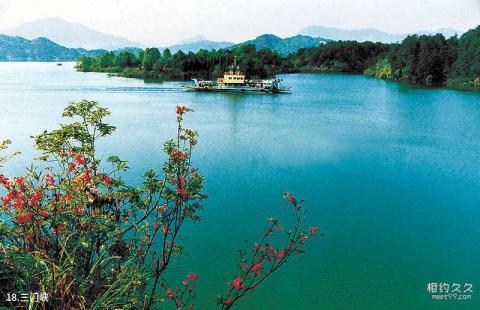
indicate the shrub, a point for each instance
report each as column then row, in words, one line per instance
column 73, row 229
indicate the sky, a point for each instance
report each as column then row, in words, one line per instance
column 164, row 22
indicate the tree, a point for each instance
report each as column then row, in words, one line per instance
column 167, row 55
column 125, row 59
column 85, row 63
column 106, row 60
column 467, row 65
column 151, row 56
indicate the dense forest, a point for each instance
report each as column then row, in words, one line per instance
column 419, row 60
column 153, row 64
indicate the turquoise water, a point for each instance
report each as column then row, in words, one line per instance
column 389, row 173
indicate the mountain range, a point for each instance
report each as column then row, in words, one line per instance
column 40, row 49
column 368, row 34
column 68, row 34
column 15, row 48
column 55, row 39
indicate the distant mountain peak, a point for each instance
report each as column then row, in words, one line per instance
column 366, row 34
column 269, row 35
column 194, row 39
column 15, row 48
column 68, row 34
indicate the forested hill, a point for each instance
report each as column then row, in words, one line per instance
column 41, row 49
column 419, row 60
column 284, row 46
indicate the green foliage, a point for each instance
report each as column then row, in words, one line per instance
column 150, row 64
column 466, row 68
column 125, row 59
column 167, row 55
column 3, row 146
column 381, row 70
column 150, row 58
column 418, row 60
column 284, row 46
column 421, row 60
column 85, row 131
column 75, row 231
column 340, row 56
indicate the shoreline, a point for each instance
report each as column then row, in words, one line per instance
column 140, row 75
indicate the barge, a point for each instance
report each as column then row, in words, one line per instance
column 234, row 81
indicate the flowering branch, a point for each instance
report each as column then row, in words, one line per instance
column 259, row 262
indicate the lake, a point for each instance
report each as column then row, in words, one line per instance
column 389, row 173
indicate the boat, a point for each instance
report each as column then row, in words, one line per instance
column 59, row 64
column 235, row 81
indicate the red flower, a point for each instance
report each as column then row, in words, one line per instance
column 19, row 201
column 78, row 211
column 182, row 180
column 256, row 268
column 3, row 179
column 20, row 181
column 281, row 253
column 181, row 109
column 178, row 155
column 279, row 227
column 258, row 247
column 58, row 229
column 71, row 167
column 80, row 160
column 35, row 199
column 49, row 180
column 44, row 213
column 106, row 179
column 24, row 218
column 313, row 230
column 67, row 198
column 8, row 198
column 182, row 192
column 228, row 301
column 156, row 226
column 169, row 293
column 192, row 276
column 185, row 282
column 237, row 283
column 86, row 177
column 291, row 198
column 165, row 229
